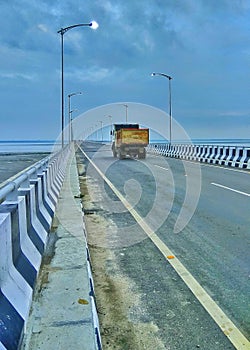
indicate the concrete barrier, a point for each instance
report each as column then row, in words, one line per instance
column 245, row 160
column 26, row 210
column 233, row 156
column 218, row 155
column 230, row 157
column 63, row 313
column 224, row 156
column 93, row 303
column 238, row 157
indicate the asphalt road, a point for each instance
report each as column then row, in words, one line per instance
column 200, row 213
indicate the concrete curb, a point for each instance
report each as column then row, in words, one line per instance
column 63, row 313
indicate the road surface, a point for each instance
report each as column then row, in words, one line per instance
column 179, row 240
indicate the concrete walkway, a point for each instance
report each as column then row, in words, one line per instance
column 63, row 310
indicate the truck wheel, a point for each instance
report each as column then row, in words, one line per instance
column 120, row 155
column 142, row 155
column 114, row 150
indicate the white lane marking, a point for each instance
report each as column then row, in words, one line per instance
column 218, row 166
column 226, row 325
column 230, row 189
column 158, row 166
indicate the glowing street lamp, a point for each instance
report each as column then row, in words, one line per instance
column 62, row 31
column 170, row 103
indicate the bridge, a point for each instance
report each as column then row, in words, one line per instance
column 176, row 224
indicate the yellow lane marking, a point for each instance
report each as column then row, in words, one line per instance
column 226, row 325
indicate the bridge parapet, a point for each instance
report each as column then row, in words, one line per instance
column 234, row 156
column 27, row 206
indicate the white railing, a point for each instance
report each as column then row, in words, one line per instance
column 27, row 205
column 235, row 156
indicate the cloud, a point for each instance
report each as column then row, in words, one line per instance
column 203, row 44
column 236, row 113
column 114, row 11
column 13, row 75
column 43, row 28
column 92, row 74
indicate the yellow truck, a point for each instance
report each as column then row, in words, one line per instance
column 129, row 140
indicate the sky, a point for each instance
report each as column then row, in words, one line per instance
column 204, row 45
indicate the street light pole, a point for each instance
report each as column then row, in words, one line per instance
column 62, row 92
column 70, row 124
column 170, row 103
column 126, row 106
column 71, row 130
column 62, row 31
column 101, row 122
column 110, row 122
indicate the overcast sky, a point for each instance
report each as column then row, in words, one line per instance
column 203, row 44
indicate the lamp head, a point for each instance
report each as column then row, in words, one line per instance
column 94, row 25
column 152, row 74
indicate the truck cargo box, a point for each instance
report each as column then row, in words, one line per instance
column 132, row 137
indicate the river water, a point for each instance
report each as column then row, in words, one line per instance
column 16, row 156
column 13, row 163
